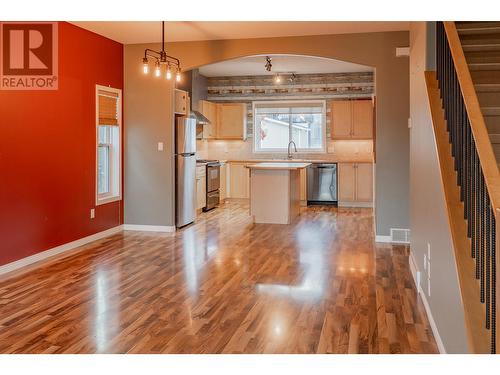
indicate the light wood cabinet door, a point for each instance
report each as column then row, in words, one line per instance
column 364, row 182
column 341, row 119
column 223, row 183
column 239, row 180
column 209, row 110
column 201, row 195
column 346, row 182
column 362, row 119
column 303, row 184
column 181, row 102
column 232, row 120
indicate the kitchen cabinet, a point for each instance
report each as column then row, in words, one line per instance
column 201, row 187
column 239, row 181
column 227, row 120
column 303, row 186
column 209, row 110
column 231, row 121
column 181, row 102
column 351, row 119
column 355, row 182
column 223, row 182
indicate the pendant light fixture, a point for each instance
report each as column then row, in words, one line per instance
column 161, row 58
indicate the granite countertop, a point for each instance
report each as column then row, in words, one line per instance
column 279, row 166
column 339, row 160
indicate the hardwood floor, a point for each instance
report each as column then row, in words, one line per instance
column 223, row 285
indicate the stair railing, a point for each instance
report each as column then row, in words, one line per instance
column 475, row 164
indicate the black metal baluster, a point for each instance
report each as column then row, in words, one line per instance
column 488, row 260
column 482, row 210
column 493, row 284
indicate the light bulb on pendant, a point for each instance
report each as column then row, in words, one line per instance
column 169, row 72
column 157, row 69
column 277, row 79
column 178, row 76
column 145, row 66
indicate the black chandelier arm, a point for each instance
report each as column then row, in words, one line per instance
column 157, row 55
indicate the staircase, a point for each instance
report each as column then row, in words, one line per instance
column 464, row 97
column 481, row 45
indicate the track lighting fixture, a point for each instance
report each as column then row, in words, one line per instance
column 268, row 65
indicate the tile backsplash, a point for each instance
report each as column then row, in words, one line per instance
column 349, row 150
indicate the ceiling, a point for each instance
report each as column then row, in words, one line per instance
column 254, row 65
column 150, row 31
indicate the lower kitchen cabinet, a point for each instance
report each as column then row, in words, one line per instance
column 223, row 182
column 303, row 186
column 201, row 187
column 355, row 181
column 239, row 181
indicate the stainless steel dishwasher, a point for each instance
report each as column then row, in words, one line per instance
column 322, row 183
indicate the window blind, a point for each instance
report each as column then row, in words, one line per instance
column 108, row 108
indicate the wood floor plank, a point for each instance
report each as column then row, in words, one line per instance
column 223, row 285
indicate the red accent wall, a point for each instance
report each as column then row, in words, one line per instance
column 47, row 151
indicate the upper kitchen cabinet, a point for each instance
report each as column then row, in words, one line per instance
column 209, row 110
column 227, row 120
column 231, row 121
column 351, row 119
column 181, row 104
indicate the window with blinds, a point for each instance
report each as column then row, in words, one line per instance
column 108, row 143
column 277, row 123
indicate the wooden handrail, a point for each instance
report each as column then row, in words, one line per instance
column 478, row 126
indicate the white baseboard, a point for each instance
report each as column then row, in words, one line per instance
column 435, row 331
column 414, row 271
column 9, row 267
column 416, row 278
column 149, row 228
column 385, row 239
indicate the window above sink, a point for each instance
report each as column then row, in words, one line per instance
column 277, row 123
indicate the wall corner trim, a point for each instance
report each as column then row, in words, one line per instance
column 149, row 228
column 58, row 250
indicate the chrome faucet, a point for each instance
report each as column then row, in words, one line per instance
column 289, row 152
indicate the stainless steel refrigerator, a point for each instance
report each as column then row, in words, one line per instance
column 185, row 171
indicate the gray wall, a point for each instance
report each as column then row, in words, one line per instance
column 429, row 220
column 148, row 173
column 371, row 49
column 392, row 89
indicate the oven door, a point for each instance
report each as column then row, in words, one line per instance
column 212, row 200
column 213, row 178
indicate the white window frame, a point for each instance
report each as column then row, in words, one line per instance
column 322, row 150
column 115, row 147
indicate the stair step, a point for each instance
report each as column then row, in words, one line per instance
column 495, row 138
column 484, row 66
column 471, row 25
column 481, row 47
column 488, row 98
column 492, row 29
column 496, row 150
column 487, row 87
column 485, row 76
column 468, row 40
column 492, row 123
column 491, row 111
column 482, row 56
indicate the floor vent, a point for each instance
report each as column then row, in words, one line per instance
column 399, row 235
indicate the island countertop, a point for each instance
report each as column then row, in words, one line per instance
column 278, row 165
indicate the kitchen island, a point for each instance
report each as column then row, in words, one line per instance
column 275, row 191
